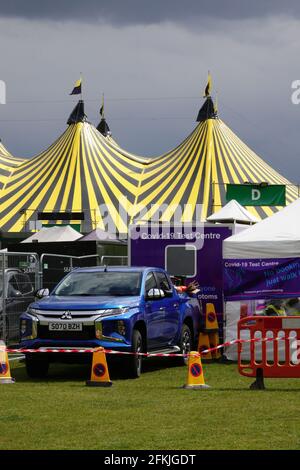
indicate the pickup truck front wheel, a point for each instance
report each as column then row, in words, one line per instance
column 134, row 362
column 36, row 368
column 185, row 343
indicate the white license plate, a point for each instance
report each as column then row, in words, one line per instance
column 65, row 326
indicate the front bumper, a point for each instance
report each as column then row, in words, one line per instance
column 74, row 357
column 74, row 344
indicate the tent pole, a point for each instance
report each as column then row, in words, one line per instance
column 208, row 168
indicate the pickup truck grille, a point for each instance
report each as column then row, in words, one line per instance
column 88, row 332
column 75, row 313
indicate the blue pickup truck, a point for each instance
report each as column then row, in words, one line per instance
column 131, row 309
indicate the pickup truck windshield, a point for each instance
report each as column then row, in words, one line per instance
column 100, row 284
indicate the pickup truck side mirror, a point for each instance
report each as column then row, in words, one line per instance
column 168, row 292
column 154, row 294
column 40, row 293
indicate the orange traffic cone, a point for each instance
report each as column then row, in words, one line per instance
column 5, row 377
column 214, row 342
column 99, row 373
column 203, row 344
column 195, row 378
column 211, row 321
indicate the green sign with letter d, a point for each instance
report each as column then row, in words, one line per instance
column 256, row 194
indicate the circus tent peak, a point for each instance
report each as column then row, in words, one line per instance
column 103, row 128
column 85, row 171
column 80, row 172
column 77, row 115
column 207, row 110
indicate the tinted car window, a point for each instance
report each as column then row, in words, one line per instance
column 163, row 282
column 150, row 282
column 100, row 284
column 12, row 287
column 24, row 285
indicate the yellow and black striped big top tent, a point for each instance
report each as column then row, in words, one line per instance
column 7, row 164
column 85, row 170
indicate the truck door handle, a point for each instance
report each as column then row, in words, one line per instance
column 161, row 308
column 175, row 305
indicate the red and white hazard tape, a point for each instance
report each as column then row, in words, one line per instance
column 194, row 353
column 111, row 351
column 50, row 350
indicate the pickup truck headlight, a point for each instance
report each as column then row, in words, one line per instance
column 121, row 328
column 109, row 327
column 23, row 327
column 34, row 311
column 98, row 329
column 112, row 311
column 28, row 328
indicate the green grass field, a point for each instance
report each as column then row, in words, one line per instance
column 152, row 412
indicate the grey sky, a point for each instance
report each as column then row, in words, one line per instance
column 139, row 52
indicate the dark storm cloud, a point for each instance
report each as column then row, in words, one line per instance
column 125, row 12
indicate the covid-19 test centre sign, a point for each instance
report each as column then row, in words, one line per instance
column 191, row 252
column 261, row 278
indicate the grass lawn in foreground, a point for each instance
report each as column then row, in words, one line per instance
column 152, row 412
